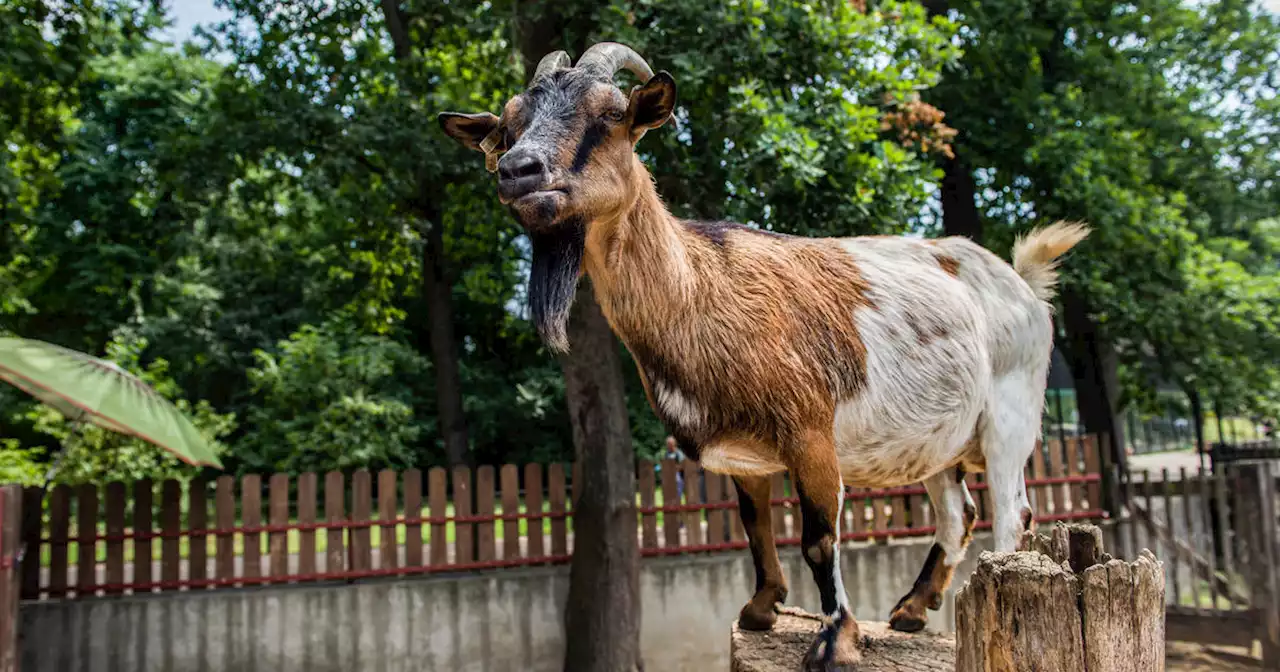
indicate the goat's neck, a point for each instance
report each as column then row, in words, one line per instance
column 638, row 260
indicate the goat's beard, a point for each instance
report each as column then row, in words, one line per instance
column 553, row 280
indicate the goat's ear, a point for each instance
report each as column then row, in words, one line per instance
column 651, row 105
column 468, row 129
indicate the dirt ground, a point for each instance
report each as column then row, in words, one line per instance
column 1187, row 657
column 883, row 650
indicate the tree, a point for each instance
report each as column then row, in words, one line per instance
column 437, row 285
column 1165, row 178
column 276, row 197
column 44, row 52
column 325, row 223
column 100, row 197
column 334, row 398
column 797, row 117
column 603, row 606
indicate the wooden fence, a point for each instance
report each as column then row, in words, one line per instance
column 138, row 538
column 1216, row 532
column 1261, row 449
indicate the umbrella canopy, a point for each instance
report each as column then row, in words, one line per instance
column 89, row 389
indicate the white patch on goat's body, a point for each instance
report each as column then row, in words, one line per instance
column 737, row 459
column 681, row 410
column 928, row 367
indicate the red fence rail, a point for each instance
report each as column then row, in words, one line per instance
column 252, row 531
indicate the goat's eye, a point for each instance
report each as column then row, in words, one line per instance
column 612, row 115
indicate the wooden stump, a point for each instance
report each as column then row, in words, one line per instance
column 1064, row 605
column 883, row 650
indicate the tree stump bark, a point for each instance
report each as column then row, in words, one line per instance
column 883, row 650
column 1062, row 606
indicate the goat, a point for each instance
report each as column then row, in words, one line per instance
column 869, row 361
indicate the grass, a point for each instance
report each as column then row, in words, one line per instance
column 1235, row 429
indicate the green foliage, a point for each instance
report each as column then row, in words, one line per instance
column 1154, row 123
column 20, row 465
column 44, row 52
column 782, row 108
column 246, row 223
column 333, row 398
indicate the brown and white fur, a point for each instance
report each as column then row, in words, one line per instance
column 871, row 361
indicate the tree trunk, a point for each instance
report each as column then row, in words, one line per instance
column 437, row 289
column 1094, row 368
column 959, row 211
column 1063, row 606
column 437, row 286
column 602, row 616
column 936, row 7
column 1197, row 418
column 602, row 613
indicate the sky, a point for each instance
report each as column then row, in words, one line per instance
column 187, row 14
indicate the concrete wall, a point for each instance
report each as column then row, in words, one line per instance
column 498, row 620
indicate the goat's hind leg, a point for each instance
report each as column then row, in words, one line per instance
column 817, row 477
column 956, row 515
column 771, row 584
column 1008, row 438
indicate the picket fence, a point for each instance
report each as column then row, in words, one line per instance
column 87, row 541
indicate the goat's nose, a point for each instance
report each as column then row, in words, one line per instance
column 515, row 166
column 520, row 172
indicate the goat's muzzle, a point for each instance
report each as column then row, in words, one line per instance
column 524, row 184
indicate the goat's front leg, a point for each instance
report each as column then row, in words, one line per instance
column 771, row 585
column 816, row 471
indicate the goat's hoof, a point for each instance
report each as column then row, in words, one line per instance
column 754, row 618
column 907, row 623
column 835, row 649
column 903, row 620
column 909, row 616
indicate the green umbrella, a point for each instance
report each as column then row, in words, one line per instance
column 89, row 389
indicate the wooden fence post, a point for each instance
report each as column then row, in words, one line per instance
column 32, row 530
column 1064, row 606
column 1255, row 493
column 11, row 557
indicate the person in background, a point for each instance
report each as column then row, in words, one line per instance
column 674, row 454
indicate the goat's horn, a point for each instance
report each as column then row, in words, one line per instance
column 552, row 61
column 611, row 57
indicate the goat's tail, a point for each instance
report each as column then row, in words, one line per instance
column 1035, row 256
